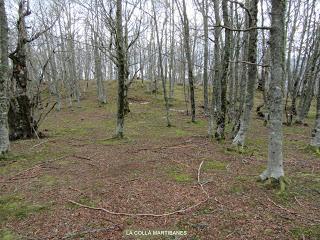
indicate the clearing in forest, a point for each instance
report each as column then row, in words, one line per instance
column 153, row 170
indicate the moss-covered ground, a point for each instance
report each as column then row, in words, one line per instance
column 154, row 169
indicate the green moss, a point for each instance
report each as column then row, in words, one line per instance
column 214, row 165
column 115, row 141
column 19, row 162
column 311, row 150
column 179, row 176
column 309, row 232
column 200, row 123
column 6, row 234
column 48, row 180
column 243, row 178
column 205, row 210
column 237, row 189
column 181, row 133
column 14, row 206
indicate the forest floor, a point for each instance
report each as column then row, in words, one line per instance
column 154, row 169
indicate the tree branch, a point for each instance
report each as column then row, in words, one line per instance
column 151, row 214
column 241, row 30
column 250, row 63
column 242, row 6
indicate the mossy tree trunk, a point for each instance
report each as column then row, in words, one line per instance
column 121, row 65
column 310, row 78
column 189, row 60
column 277, row 46
column 315, row 140
column 215, row 99
column 221, row 116
column 4, row 103
column 20, row 114
column 252, row 76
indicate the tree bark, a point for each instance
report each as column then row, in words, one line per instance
column 121, row 65
column 221, row 116
column 252, row 76
column 189, row 61
column 205, row 55
column 277, row 44
column 216, row 91
column 21, row 122
column 4, row 103
column 315, row 140
column 161, row 66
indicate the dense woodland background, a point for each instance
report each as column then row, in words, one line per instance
column 139, row 114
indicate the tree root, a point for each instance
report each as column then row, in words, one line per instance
column 274, row 183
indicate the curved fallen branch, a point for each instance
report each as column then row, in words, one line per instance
column 151, row 214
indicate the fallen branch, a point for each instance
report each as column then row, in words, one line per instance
column 32, row 168
column 151, row 214
column 176, row 146
column 87, row 158
column 292, row 212
column 37, row 145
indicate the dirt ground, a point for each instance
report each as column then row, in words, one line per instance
column 153, row 170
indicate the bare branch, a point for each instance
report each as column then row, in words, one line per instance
column 250, row 63
column 241, row 30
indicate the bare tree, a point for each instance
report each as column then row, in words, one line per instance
column 277, row 43
column 159, row 42
column 221, row 115
column 121, row 65
column 315, row 140
column 252, row 75
column 20, row 115
column 186, row 33
column 4, row 103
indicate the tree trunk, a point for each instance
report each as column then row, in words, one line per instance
column 121, row 65
column 21, row 122
column 189, row 60
column 4, row 103
column 215, row 99
column 98, row 71
column 221, row 116
column 161, row 66
column 205, row 55
column 277, row 43
column 310, row 78
column 315, row 140
column 252, row 77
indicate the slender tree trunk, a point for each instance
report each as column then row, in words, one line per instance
column 315, row 140
column 4, row 103
column 161, row 66
column 310, row 78
column 98, row 71
column 121, row 65
column 172, row 70
column 252, row 76
column 221, row 117
column 205, row 55
column 277, row 43
column 189, row 61
column 216, row 91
